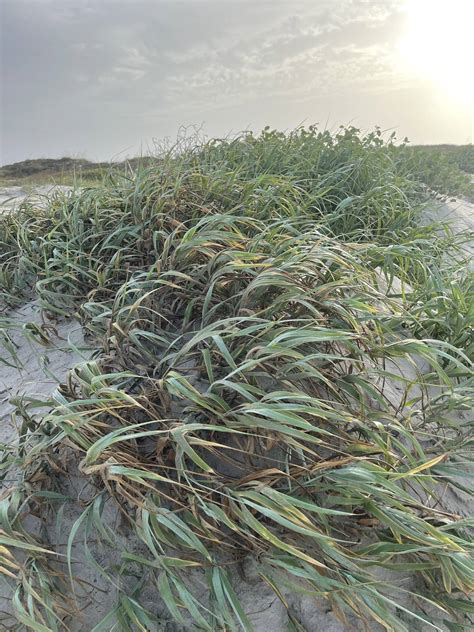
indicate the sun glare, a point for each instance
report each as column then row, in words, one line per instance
column 438, row 45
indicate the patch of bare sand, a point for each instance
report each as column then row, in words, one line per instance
column 11, row 197
column 460, row 216
column 39, row 367
column 460, row 213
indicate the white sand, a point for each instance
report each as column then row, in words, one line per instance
column 459, row 214
column 11, row 197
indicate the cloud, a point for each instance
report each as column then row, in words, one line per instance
column 94, row 76
column 293, row 56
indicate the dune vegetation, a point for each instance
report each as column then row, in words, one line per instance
column 64, row 171
column 282, row 370
column 444, row 168
column 447, row 168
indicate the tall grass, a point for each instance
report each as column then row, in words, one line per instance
column 261, row 387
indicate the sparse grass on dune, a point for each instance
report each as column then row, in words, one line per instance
column 261, row 387
column 64, row 171
column 448, row 173
column 460, row 155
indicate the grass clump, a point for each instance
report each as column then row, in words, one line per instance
column 260, row 387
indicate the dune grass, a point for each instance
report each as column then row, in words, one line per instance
column 284, row 352
column 64, row 171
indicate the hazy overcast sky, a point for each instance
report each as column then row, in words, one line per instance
column 102, row 78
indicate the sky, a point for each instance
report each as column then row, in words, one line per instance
column 107, row 79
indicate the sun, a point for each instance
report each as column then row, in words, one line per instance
column 438, row 45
